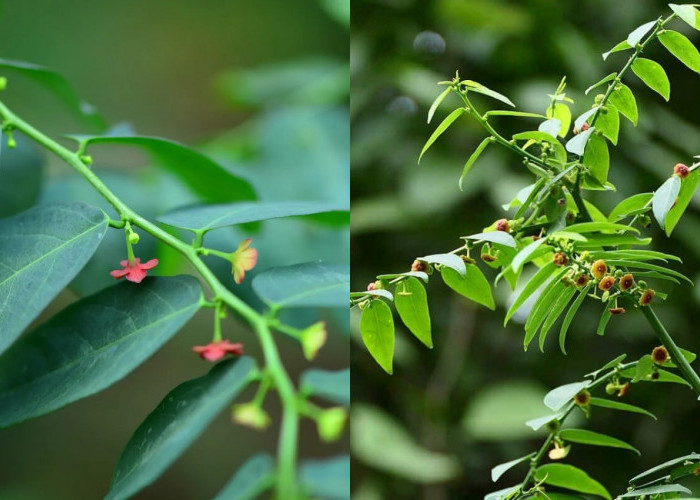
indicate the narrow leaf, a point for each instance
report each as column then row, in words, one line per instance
column 603, row 81
column 501, row 469
column 559, row 396
column 474, row 156
column 548, row 272
column 332, row 386
column 481, row 89
column 647, row 475
column 617, row 405
column 436, row 103
column 583, row 436
column 411, row 302
column 610, row 364
column 311, row 284
column 571, row 313
column 623, row 45
column 682, row 48
column 251, row 480
column 473, row 285
column 440, row 129
column 377, row 329
column 656, row 490
column 449, row 260
column 570, row 477
column 507, row 112
column 500, row 237
column 604, row 320
column 653, row 75
column 555, row 311
column 664, row 198
column 524, row 255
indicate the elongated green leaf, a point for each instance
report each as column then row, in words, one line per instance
column 583, row 436
column 597, row 158
column 449, row 260
column 608, row 123
column 571, row 313
column 500, row 237
column 617, row 405
column 600, row 82
column 59, row 86
column 653, row 75
column 610, row 240
column 623, row 45
column 549, row 272
column 332, row 386
column 444, row 125
column 501, row 469
column 436, row 103
column 92, row 344
column 474, row 156
column 175, row 423
column 684, row 50
column 688, row 13
column 559, row 396
column 656, row 490
column 647, row 475
column 623, row 99
column 577, row 144
column 207, row 217
column 473, row 285
column 635, row 204
column 411, row 302
column 526, row 254
column 327, row 478
column 610, row 364
column 604, row 320
column 688, row 187
column 211, row 181
column 416, row 274
column 571, row 478
column 538, row 422
column 41, row 251
column 541, row 309
column 312, row 284
column 481, row 89
column 593, row 227
column 650, row 267
column 557, row 308
column 664, row 198
column 562, row 113
column 636, row 36
column 377, row 329
column 537, row 136
column 251, row 480
column 506, row 112
column 379, row 292
column 503, row 493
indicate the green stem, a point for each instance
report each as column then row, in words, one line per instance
column 676, row 354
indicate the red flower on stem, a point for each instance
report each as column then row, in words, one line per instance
column 216, row 350
column 134, row 270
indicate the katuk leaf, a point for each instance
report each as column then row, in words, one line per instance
column 682, row 48
column 653, row 75
column 377, row 329
column 411, row 302
column 444, row 125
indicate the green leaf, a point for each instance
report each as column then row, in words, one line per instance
column 251, row 480
column 600, row 82
column 379, row 292
column 526, row 254
column 415, row 274
column 541, row 309
column 536, row 423
column 562, row 113
column 594, row 227
column 635, row 204
column 175, row 423
column 440, row 129
column 377, row 329
column 411, row 302
column 537, row 136
column 577, row 144
column 650, row 267
column 616, row 405
column 473, row 86
column 664, row 198
column 501, row 469
column 656, row 490
column 688, row 13
column 211, row 181
column 560, row 396
column 597, row 158
column 653, row 75
column 682, row 48
column 688, row 187
column 570, row 477
column 449, row 260
column 556, row 309
column 644, row 368
column 59, row 86
column 548, row 272
column 604, row 320
column 646, row 476
column 507, row 112
column 41, row 251
column 207, row 217
column 571, row 313
column 611, row 240
column 610, row 364
column 92, row 344
column 436, row 103
column 500, row 237
column 623, row 45
column 583, row 436
column 623, row 99
column 636, row 36
column 333, row 386
column 21, row 176
column 474, row 156
column 473, row 285
column 501, row 494
column 583, row 118
column 312, row 284
column 551, row 126
column 327, row 478
column 608, row 123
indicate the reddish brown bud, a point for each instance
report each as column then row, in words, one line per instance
column 585, row 127
column 502, row 225
column 646, row 297
column 487, row 257
column 560, row 259
column 582, row 281
column 372, row 286
column 623, row 390
column 606, row 283
column 467, row 259
column 617, row 310
column 659, row 355
column 418, row 266
column 598, row 269
column 681, row 170
column 626, row 282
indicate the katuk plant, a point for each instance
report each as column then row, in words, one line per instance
column 99, row 339
column 578, row 253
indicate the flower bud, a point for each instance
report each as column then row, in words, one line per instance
column 250, row 415
column 659, row 355
column 611, row 388
column 468, row 260
column 3, row 83
column 487, row 257
column 623, row 390
column 134, row 237
column 560, row 259
column 502, row 225
column 599, row 99
column 617, row 311
column 418, row 266
column 11, row 143
column 313, row 338
column 681, row 170
column 582, row 281
column 599, row 269
column 558, row 452
column 331, row 424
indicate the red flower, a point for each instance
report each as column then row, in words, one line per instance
column 134, row 271
column 214, row 351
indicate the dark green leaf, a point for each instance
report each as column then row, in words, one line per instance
column 92, row 344
column 685, row 194
column 473, row 86
column 440, row 129
column 608, row 123
column 541, row 309
column 411, row 302
column 636, row 36
column 526, row 254
column 679, row 45
column 251, row 480
column 570, row 477
column 571, row 313
column 617, row 405
column 623, row 99
column 328, row 478
column 448, row 260
column 688, row 13
column 604, row 320
column 473, row 285
column 377, row 329
column 175, row 423
column 474, row 156
column 653, row 75
column 597, row 158
column 583, row 436
column 312, row 284
column 635, row 204
column 656, row 490
column 606, row 240
column 41, row 251
column 20, row 176
column 647, row 475
column 436, row 103
column 501, row 469
column 577, row 144
column 560, row 396
column 500, row 237
column 556, row 309
column 623, row 45
column 549, row 272
column 332, row 386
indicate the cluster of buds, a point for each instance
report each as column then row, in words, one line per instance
column 625, row 282
column 616, row 387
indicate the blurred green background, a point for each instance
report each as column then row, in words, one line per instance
column 260, row 86
column 435, row 428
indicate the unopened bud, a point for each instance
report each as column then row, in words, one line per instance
column 133, row 237
column 331, row 424
column 250, row 415
column 3, row 83
column 313, row 339
column 681, row 170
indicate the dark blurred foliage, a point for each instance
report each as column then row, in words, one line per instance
column 449, row 414
column 262, row 87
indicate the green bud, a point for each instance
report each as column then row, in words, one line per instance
column 611, row 388
column 312, row 339
column 11, row 141
column 331, row 424
column 619, row 273
column 598, row 99
column 86, row 159
column 642, row 284
column 133, row 237
column 3, row 83
column 250, row 415
column 605, row 296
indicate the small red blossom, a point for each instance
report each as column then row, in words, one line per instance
column 134, row 271
column 502, row 225
column 681, row 170
column 214, row 351
column 372, row 286
column 243, row 259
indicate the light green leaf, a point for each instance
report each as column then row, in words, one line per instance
column 436, row 103
column 656, row 490
column 688, row 13
column 541, row 309
column 473, row 285
column 536, row 423
column 501, row 494
column 559, row 396
column 411, row 302
column 583, row 436
column 682, row 48
column 211, row 181
column 600, row 82
column 444, row 125
column 251, row 480
column 549, row 271
column 449, row 260
column 649, row 267
column 623, row 45
column 571, row 313
column 312, row 284
column 653, row 75
column 207, row 217
column 481, row 89
column 377, row 329
column 332, row 386
column 664, row 198
column 379, row 292
column 570, row 477
column 555, row 311
column 562, row 113
column 552, row 126
column 688, row 187
column 583, row 118
column 500, row 237
column 610, row 364
column 608, row 123
column 328, row 478
column 526, row 254
column 175, row 423
column 537, row 136
column 92, row 344
column 617, row 405
column 506, row 112
column 647, row 475
column 415, row 274
column 577, row 144
column 474, row 156
column 636, row 36
column 635, row 204
column 623, row 99
column 41, row 251
column 501, row 469
column 611, row 240
column 594, row 227
column 597, row 158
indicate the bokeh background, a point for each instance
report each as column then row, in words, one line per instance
column 435, row 428
column 260, row 86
